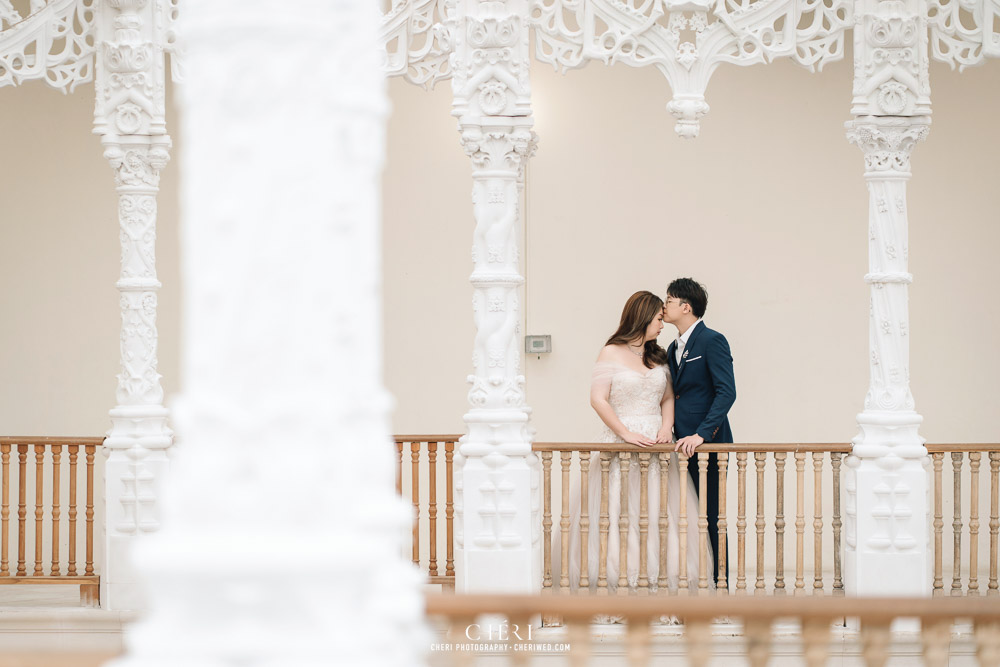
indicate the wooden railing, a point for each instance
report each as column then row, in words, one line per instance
column 427, row 451
column 959, row 526
column 517, row 638
column 49, row 457
column 732, row 458
column 754, row 513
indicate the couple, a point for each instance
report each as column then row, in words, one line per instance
column 646, row 395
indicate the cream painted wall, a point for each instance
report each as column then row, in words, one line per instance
column 768, row 208
column 59, row 261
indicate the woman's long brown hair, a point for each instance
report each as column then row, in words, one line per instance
column 639, row 311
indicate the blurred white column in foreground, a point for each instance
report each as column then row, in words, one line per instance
column 281, row 525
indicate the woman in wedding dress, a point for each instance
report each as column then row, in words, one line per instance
column 632, row 394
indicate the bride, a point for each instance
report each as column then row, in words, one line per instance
column 632, row 394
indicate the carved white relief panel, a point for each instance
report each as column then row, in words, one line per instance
column 890, row 59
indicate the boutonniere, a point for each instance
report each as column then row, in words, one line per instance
column 685, row 355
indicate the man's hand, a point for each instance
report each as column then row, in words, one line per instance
column 688, row 443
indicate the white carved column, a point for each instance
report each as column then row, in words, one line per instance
column 281, row 541
column 887, row 550
column 497, row 477
column 129, row 116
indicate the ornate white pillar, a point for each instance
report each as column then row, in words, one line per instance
column 497, row 490
column 887, row 550
column 281, row 542
column 129, row 116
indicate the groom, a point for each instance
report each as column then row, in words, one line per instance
column 701, row 368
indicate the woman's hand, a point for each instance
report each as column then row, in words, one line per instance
column 666, row 434
column 636, row 439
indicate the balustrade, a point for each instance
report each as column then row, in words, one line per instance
column 770, row 513
column 424, row 449
column 964, row 499
column 753, row 498
column 48, row 484
column 816, row 619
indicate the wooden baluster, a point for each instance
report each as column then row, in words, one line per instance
column 637, row 646
column 432, row 508
column 800, row 522
column 584, row 519
column 547, row 519
column 89, row 567
column 837, row 524
column 624, row 459
column 974, row 458
column 816, row 641
column 604, row 524
column 449, row 508
column 664, row 460
column 760, row 458
column 741, row 523
column 994, row 519
column 566, row 458
column 956, row 524
column 779, row 524
column 73, row 453
column 682, row 523
column 817, row 458
column 703, row 521
column 987, row 634
column 937, row 458
column 399, row 468
column 698, row 636
column 643, row 520
column 936, row 639
column 578, row 634
column 758, row 638
column 415, row 498
column 875, row 642
column 5, row 511
column 56, row 456
column 39, row 507
column 22, row 507
column 723, row 584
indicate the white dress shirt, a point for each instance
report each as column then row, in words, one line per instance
column 682, row 342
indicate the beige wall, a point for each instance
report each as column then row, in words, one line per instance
column 768, row 208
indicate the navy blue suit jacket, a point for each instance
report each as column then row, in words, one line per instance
column 704, row 386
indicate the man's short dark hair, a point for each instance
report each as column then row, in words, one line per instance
column 687, row 289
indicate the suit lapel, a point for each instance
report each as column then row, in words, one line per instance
column 671, row 358
column 687, row 350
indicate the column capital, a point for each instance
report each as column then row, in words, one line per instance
column 501, row 146
column 138, row 160
column 887, row 142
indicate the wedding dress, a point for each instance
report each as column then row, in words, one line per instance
column 635, row 397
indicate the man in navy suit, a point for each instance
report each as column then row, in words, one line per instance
column 701, row 368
